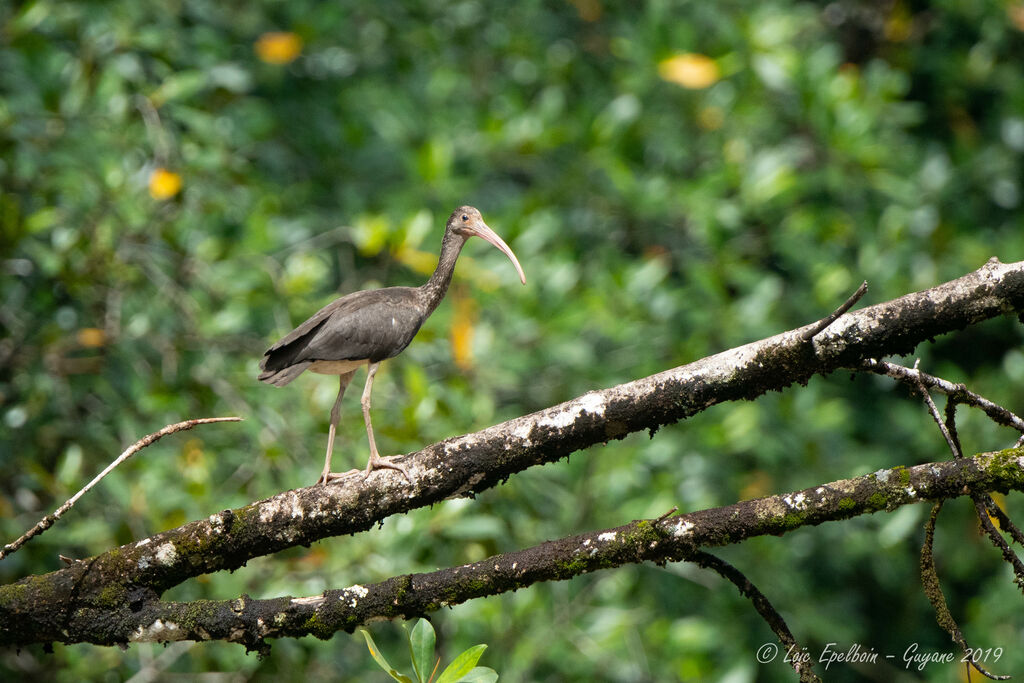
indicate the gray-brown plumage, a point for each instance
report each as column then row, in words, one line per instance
column 365, row 328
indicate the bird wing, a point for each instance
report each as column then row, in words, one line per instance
column 314, row 321
column 368, row 325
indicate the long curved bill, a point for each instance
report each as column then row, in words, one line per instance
column 480, row 229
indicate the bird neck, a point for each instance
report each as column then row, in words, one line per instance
column 437, row 286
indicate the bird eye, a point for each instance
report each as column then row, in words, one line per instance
column 465, row 218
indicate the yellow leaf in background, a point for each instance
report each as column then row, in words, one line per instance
column 423, row 262
column 690, row 70
column 1016, row 14
column 91, row 337
column 278, row 47
column 370, row 233
column 710, row 118
column 194, row 466
column 899, row 25
column 164, row 184
column 192, row 452
column 758, row 485
column 315, row 558
column 589, row 10
column 1000, row 501
column 462, row 331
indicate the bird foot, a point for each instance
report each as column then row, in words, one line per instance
column 379, row 463
column 331, row 477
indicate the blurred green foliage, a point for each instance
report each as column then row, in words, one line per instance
column 176, row 192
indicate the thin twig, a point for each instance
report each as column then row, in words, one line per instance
column 154, row 128
column 1005, row 523
column 820, row 326
column 981, row 505
column 930, row 583
column 929, row 576
column 950, row 421
column 998, row 413
column 49, row 520
column 763, row 606
column 675, row 509
column 953, row 446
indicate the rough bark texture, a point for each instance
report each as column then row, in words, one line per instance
column 111, row 617
column 114, row 597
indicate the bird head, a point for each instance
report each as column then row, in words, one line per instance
column 467, row 222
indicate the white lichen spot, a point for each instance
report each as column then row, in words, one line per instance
column 144, row 541
column 797, row 502
column 296, row 507
column 351, row 595
column 911, row 491
column 311, row 600
column 283, row 505
column 158, row 630
column 166, row 554
column 683, row 529
column 591, row 402
column 522, row 432
column 462, row 443
column 607, row 536
column 882, row 476
column 586, row 542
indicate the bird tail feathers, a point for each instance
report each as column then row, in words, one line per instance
column 281, row 377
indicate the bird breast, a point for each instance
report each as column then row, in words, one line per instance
column 335, row 367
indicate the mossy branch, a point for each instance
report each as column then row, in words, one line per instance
column 114, row 597
column 48, row 608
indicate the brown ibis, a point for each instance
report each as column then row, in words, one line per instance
column 367, row 327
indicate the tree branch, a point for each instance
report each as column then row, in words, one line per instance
column 51, row 519
column 813, row 331
column 959, row 392
column 932, row 589
column 48, row 608
column 763, row 606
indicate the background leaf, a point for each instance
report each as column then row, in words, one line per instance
column 461, row 665
column 421, row 646
column 381, row 661
column 480, row 674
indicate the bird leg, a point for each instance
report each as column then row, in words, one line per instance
column 376, row 462
column 327, row 475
